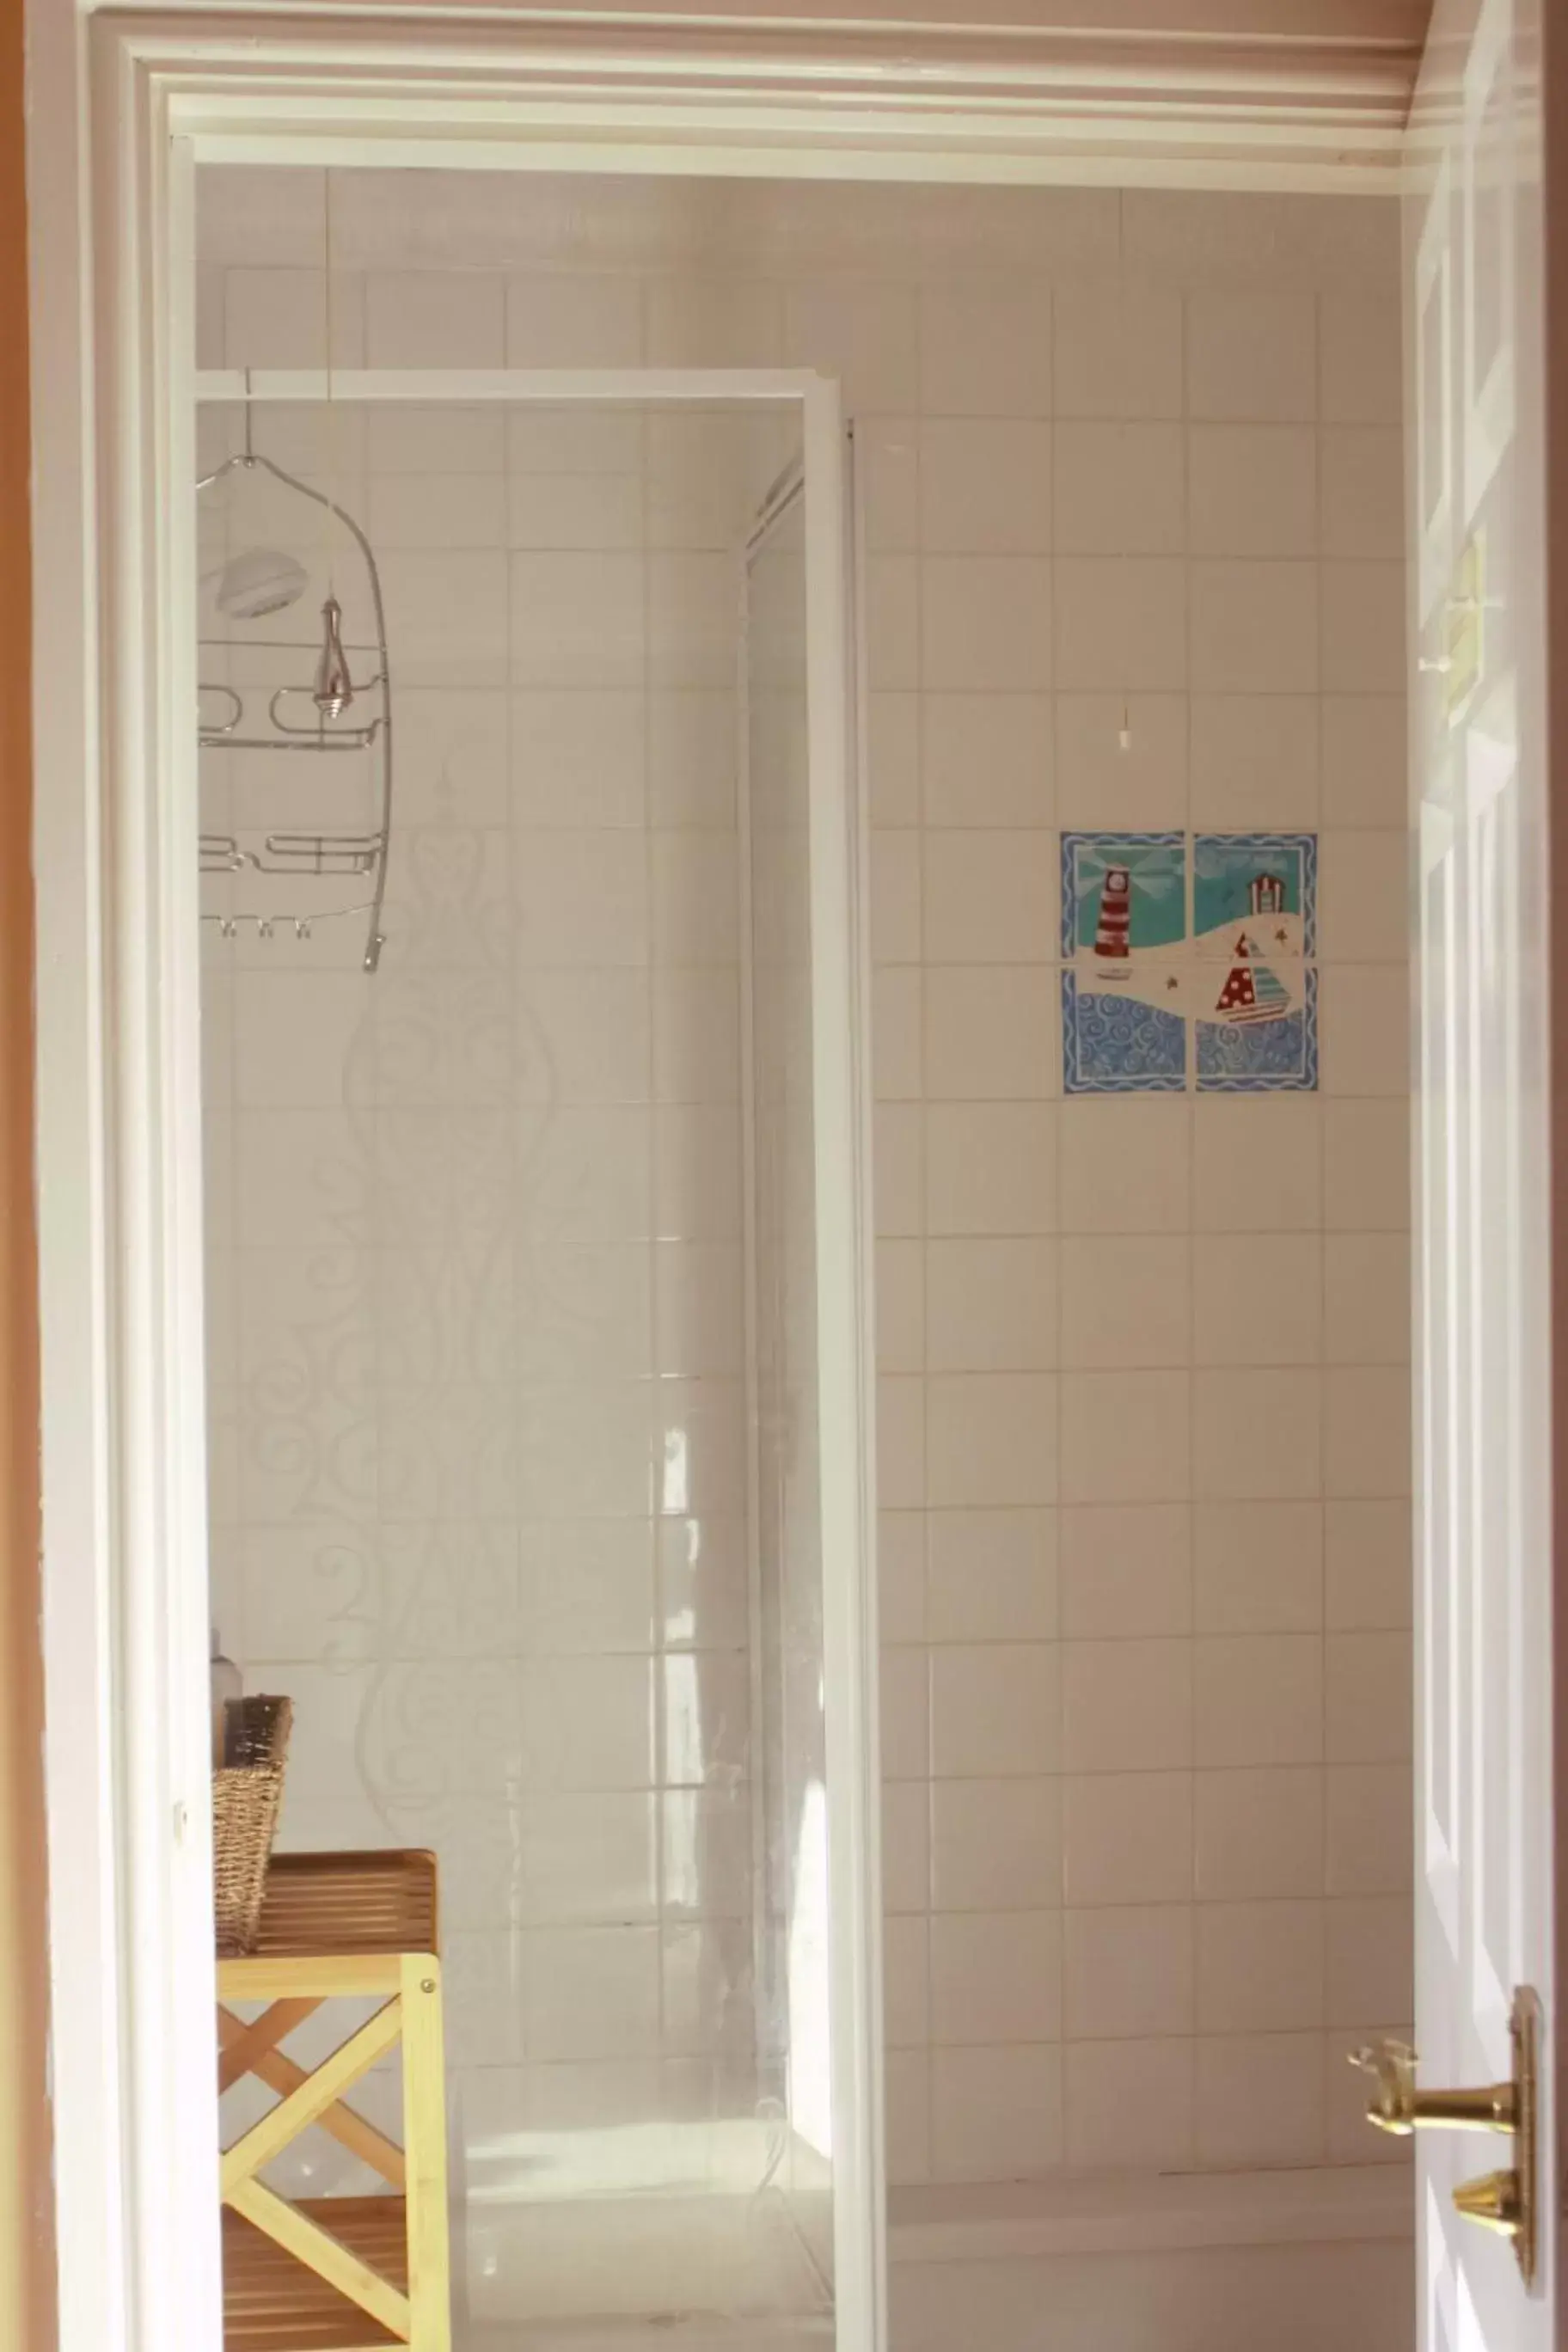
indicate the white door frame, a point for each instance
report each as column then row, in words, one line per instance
column 119, row 109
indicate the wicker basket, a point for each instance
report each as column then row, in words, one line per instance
column 247, row 1790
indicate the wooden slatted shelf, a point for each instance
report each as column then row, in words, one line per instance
column 339, row 2274
column 332, row 1905
column 273, row 2304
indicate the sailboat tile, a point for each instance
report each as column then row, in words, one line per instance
column 1260, row 1033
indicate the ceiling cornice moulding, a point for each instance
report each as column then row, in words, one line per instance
column 994, row 102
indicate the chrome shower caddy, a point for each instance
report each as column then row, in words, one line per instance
column 288, row 719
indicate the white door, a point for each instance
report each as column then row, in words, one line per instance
column 1483, row 1864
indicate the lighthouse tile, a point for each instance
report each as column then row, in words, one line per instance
column 1124, row 895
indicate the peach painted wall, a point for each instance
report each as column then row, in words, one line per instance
column 25, row 2269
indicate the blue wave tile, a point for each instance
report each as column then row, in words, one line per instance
column 1120, row 1045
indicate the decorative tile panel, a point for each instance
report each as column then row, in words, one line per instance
column 1146, row 961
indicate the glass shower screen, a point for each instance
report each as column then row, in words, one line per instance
column 535, row 1308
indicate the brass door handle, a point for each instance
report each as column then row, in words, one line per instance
column 1398, row 2106
column 1504, row 2201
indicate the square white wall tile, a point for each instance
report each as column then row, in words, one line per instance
column 991, row 1305
column 985, row 352
column 1369, row 1713
column 893, row 757
column 1368, row 1943
column 995, row 2113
column 990, row 1033
column 1367, row 1299
column 714, row 322
column 989, row 1167
column 995, row 1710
column 992, row 1576
column 1121, row 760
column 990, row 896
column 906, row 1846
column 985, row 760
column 1121, row 489
column 1369, row 1564
column 892, row 614
column 906, row 1983
column 1360, row 358
column 901, row 1441
column 1364, row 886
column 995, row 1844
column 435, row 318
column 900, row 1307
column 1258, row 1298
column 1366, row 1442
column 905, row 1711
column 1256, row 761
column 1255, row 627
column 1130, row 2105
column 1121, row 623
column 1362, row 491
column 1365, row 1028
column 1260, row 2099
column 991, row 1438
column 1257, row 1435
column 1259, row 1832
column 1258, row 1698
column 984, row 488
column 1126, row 1569
column 1128, row 1837
column 560, row 321
column 1126, row 1165
column 1127, row 1706
column 1368, row 1817
column 1126, row 1301
column 1365, row 779
column 1261, row 1967
column 995, row 1977
column 1119, row 351
column 985, row 622
column 898, row 1168
column 1363, row 649
column 1253, row 489
column 1125, row 1437
column 888, row 481
column 1252, row 356
column 1245, row 1586
column 1128, row 1972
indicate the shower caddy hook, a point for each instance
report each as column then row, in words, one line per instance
column 332, row 691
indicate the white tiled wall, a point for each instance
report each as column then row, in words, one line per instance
column 1127, row 461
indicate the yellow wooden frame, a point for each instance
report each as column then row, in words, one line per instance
column 410, row 2014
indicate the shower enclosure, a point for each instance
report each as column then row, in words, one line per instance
column 536, row 1314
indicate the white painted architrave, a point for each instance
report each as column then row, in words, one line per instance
column 119, row 108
